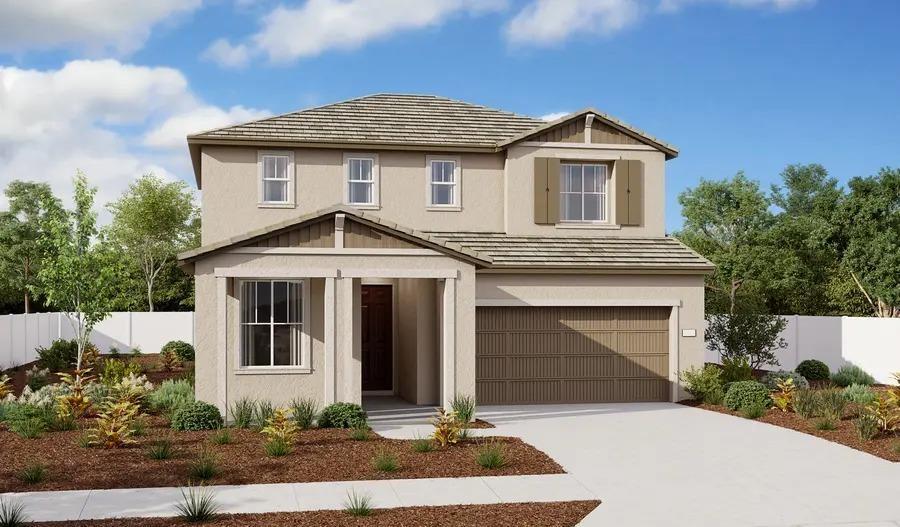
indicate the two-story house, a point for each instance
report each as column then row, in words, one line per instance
column 425, row 247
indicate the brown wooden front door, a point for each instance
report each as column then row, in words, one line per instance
column 377, row 341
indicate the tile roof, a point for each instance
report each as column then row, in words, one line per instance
column 561, row 252
column 386, row 119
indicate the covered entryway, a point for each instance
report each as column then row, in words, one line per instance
column 572, row 354
column 376, row 335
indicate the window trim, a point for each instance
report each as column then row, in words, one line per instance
column 305, row 335
column 605, row 193
column 457, row 183
column 291, row 201
column 376, row 180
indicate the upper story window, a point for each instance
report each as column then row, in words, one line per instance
column 362, row 180
column 443, row 176
column 273, row 323
column 276, row 178
column 583, row 192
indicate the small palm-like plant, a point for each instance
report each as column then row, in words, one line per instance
column 446, row 428
column 491, row 456
column 75, row 402
column 12, row 514
column 385, row 461
column 784, row 394
column 33, row 473
column 197, row 505
column 115, row 425
column 358, row 505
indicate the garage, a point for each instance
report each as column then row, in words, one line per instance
column 553, row 354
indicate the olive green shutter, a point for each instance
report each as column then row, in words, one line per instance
column 629, row 183
column 552, row 190
column 540, row 190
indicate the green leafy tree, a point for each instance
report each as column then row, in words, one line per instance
column 727, row 222
column 152, row 222
column 30, row 205
column 74, row 279
column 746, row 336
column 869, row 218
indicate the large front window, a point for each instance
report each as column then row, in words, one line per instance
column 271, row 323
column 583, row 192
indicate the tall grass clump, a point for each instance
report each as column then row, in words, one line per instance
column 464, row 407
column 303, row 412
column 242, row 412
column 197, row 505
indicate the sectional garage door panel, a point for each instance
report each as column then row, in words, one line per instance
column 571, row 354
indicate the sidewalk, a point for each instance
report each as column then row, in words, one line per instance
column 295, row 497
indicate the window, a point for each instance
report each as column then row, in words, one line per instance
column 583, row 192
column 362, row 180
column 272, row 323
column 276, row 178
column 443, row 182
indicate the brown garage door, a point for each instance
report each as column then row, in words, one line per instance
column 572, row 354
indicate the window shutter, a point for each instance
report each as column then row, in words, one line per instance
column 629, row 182
column 553, row 190
column 541, row 190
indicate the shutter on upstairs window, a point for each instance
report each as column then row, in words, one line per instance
column 629, row 183
column 540, row 190
column 552, row 190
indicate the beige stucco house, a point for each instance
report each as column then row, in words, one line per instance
column 424, row 247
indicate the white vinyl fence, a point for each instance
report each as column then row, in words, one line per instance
column 873, row 344
column 20, row 335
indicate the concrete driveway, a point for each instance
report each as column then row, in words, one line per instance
column 655, row 464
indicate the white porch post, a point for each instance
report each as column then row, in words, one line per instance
column 222, row 344
column 448, row 342
column 330, row 335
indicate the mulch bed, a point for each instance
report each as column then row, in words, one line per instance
column 883, row 446
column 556, row 514
column 319, row 455
column 478, row 423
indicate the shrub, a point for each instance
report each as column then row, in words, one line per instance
column 181, row 349
column 242, row 412
column 160, row 450
column 222, row 437
column 114, row 370
column 303, row 411
column 859, row 394
column 746, row 393
column 342, row 415
column 114, row 352
column 197, row 505
column 851, row 374
column 422, row 445
column 75, row 399
column 279, row 426
column 805, row 403
column 704, row 384
column 197, row 415
column 385, row 461
column 115, row 425
column 866, row 426
column 358, row 505
column 264, row 411
column 744, row 336
column 60, row 356
column 784, row 394
column 28, row 428
column 884, row 410
column 61, row 423
column 446, row 428
column 491, row 456
column 753, row 410
column 832, row 404
column 359, row 433
column 171, row 395
column 12, row 514
column 464, row 408
column 36, row 378
column 813, row 370
column 204, row 466
column 826, row 423
column 90, row 356
column 736, row 370
column 5, row 387
column 771, row 379
column 33, row 473
column 169, row 361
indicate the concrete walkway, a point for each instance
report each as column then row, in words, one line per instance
column 294, row 497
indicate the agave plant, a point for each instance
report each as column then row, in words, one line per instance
column 197, row 505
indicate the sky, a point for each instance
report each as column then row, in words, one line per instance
column 112, row 87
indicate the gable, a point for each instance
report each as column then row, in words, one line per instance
column 572, row 131
column 359, row 236
column 313, row 235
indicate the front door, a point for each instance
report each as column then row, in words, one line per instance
column 377, row 341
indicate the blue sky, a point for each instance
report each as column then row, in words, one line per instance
column 736, row 84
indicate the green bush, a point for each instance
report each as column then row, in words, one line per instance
column 182, row 349
column 867, row 427
column 704, row 384
column 832, row 404
column 753, row 410
column 303, row 411
column 171, row 395
column 197, row 415
column 60, row 356
column 736, row 370
column 772, row 378
column 813, row 370
column 851, row 374
column 805, row 403
column 746, row 393
column 342, row 415
column 859, row 394
column 114, row 370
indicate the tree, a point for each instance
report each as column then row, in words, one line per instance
column 152, row 221
column 746, row 336
column 30, row 204
column 74, row 279
column 870, row 239
column 727, row 222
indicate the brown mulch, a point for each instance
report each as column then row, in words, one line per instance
column 555, row 514
column 479, row 423
column 885, row 446
column 318, row 455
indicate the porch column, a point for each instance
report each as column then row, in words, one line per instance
column 330, row 336
column 347, row 363
column 222, row 344
column 448, row 342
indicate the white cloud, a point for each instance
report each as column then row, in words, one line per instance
column 289, row 33
column 94, row 25
column 553, row 116
column 552, row 22
column 112, row 120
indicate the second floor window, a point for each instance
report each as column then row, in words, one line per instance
column 583, row 192
column 361, row 181
column 443, row 183
column 276, row 178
